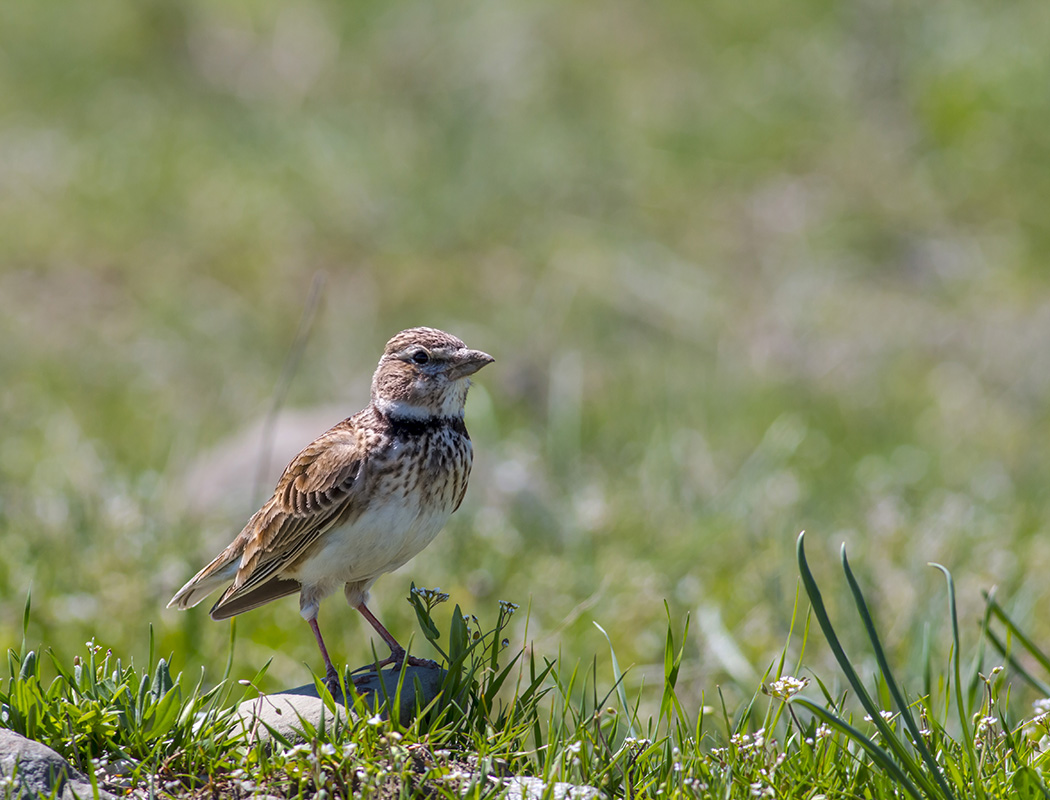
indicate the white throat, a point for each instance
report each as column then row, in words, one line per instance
column 453, row 400
column 400, row 409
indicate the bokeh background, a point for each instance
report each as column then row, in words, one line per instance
column 746, row 268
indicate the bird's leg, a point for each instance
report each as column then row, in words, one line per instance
column 397, row 652
column 331, row 676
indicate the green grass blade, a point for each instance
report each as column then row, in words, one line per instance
column 817, row 603
column 880, row 756
column 1000, row 613
column 229, row 658
column 891, row 682
column 1015, row 665
column 618, row 677
column 25, row 617
column 960, row 705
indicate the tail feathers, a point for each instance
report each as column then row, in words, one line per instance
column 204, row 583
column 233, row 603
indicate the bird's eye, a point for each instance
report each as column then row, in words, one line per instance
column 421, row 356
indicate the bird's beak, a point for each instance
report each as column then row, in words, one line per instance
column 468, row 362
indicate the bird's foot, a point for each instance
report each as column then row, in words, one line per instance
column 398, row 658
column 331, row 680
column 422, row 662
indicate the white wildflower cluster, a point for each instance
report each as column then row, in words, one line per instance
column 1040, row 722
column 749, row 741
column 507, row 607
column 430, row 596
column 744, row 743
column 986, row 723
column 243, row 781
column 1041, row 717
column 571, row 754
column 456, row 775
column 758, row 789
column 886, row 715
column 636, row 744
column 787, row 687
column 984, row 728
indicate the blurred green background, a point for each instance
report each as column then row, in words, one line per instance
column 746, row 268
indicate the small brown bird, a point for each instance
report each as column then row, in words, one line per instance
column 363, row 498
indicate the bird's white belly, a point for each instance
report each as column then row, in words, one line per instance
column 382, row 539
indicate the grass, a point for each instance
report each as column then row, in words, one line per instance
column 506, row 712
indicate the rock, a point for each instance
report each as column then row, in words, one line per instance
column 36, row 770
column 285, row 712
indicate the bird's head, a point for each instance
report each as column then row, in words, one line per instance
column 425, row 373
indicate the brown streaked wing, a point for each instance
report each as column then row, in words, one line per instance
column 318, row 490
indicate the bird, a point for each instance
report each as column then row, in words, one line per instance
column 361, row 499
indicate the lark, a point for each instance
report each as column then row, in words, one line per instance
column 362, row 499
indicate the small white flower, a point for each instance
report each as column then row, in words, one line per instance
column 886, row 715
column 823, row 731
column 788, row 686
column 508, row 607
column 430, row 596
column 984, row 723
column 1040, row 719
column 376, row 720
column 328, row 749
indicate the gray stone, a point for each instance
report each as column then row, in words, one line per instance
column 285, row 712
column 36, row 770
